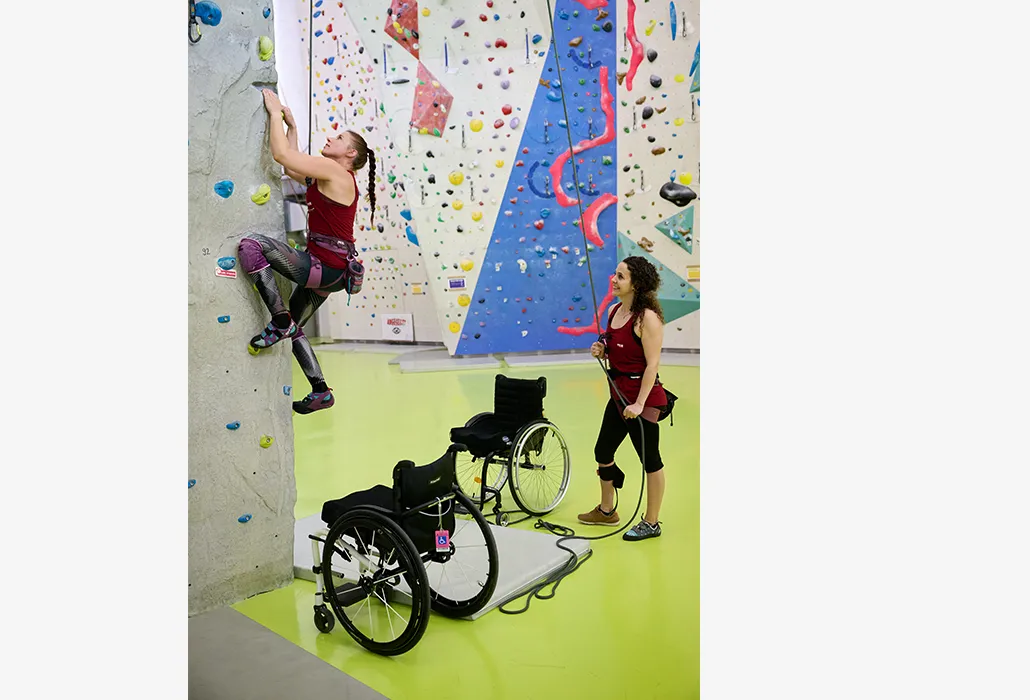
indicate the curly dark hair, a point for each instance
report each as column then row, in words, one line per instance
column 646, row 281
column 366, row 155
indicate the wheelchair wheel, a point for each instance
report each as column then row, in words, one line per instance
column 324, row 620
column 469, row 469
column 371, row 553
column 461, row 581
column 538, row 470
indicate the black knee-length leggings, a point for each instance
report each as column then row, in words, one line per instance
column 613, row 431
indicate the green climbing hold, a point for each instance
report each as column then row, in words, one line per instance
column 606, row 160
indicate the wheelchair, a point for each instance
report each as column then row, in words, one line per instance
column 390, row 551
column 517, row 445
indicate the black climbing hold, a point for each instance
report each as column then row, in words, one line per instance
column 522, row 15
column 607, row 26
column 678, row 194
column 476, row 336
column 450, row 191
column 625, row 168
column 361, row 49
column 652, row 55
column 461, row 230
column 429, row 154
column 432, row 179
column 648, row 112
column 656, row 82
column 650, row 139
column 380, row 227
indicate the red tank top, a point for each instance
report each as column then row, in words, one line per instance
column 626, row 354
column 332, row 219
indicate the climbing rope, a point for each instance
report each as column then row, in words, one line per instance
column 566, row 533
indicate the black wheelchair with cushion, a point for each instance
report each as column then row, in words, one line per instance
column 517, row 445
column 392, row 554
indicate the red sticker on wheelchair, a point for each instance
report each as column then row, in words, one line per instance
column 443, row 541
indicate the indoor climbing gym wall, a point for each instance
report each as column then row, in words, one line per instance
column 474, row 109
column 241, row 483
column 345, row 95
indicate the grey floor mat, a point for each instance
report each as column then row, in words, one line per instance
column 234, row 658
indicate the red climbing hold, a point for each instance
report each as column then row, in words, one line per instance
column 539, row 223
column 482, row 18
column 506, row 109
column 329, row 28
column 498, row 123
column 501, row 44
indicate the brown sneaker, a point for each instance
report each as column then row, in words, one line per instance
column 596, row 517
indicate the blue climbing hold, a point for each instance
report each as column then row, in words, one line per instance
column 223, row 319
column 193, row 482
column 224, row 189
column 556, row 83
column 287, row 389
column 233, row 426
column 318, row 33
column 537, row 38
column 245, row 518
column 267, row 11
column 562, row 123
column 553, row 97
column 209, row 13
column 544, row 213
column 406, row 214
column 227, row 263
column 411, row 236
column 331, row 60
column 672, row 18
column 563, row 14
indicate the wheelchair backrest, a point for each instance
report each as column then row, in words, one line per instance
column 519, row 401
column 414, row 486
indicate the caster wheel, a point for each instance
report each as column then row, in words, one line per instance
column 502, row 519
column 253, row 350
column 324, row 620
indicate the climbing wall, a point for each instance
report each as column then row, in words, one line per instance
column 345, row 96
column 475, row 110
column 659, row 154
column 241, row 483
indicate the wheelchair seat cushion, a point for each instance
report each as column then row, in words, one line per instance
column 381, row 496
column 487, row 434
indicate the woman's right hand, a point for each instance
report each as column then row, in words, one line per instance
column 288, row 118
column 597, row 349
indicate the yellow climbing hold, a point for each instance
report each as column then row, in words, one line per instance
column 264, row 48
column 467, row 264
column 686, row 178
column 476, row 124
column 457, row 204
column 425, row 11
column 266, row 441
column 464, row 300
column 423, row 131
column 678, row 121
column 477, row 215
column 456, row 178
column 499, row 163
column 454, row 327
column 650, row 28
column 680, row 78
column 262, row 195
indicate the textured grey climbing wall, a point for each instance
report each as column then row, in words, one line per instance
column 231, row 475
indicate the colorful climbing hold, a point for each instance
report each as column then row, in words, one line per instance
column 264, row 48
column 266, row 441
column 454, row 327
column 209, row 13
column 457, row 204
column 227, row 263
column 224, row 188
column 467, row 265
column 476, row 124
column 262, row 195
column 223, row 319
column 233, row 426
column 477, row 215
column 287, row 389
column 245, row 518
column 456, row 178
column 266, row 12
column 464, row 300
column 193, row 482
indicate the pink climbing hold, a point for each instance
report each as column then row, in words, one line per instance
column 609, row 134
column 593, row 211
column 638, row 48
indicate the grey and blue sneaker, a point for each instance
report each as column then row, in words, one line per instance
column 315, row 401
column 642, row 531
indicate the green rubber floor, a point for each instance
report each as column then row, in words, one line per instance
column 625, row 625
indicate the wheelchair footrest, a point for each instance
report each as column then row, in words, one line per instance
column 349, row 594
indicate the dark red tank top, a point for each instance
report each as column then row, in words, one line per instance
column 626, row 354
column 332, row 219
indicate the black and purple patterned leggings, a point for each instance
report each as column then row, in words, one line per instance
column 259, row 256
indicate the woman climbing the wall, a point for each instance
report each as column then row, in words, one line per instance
column 330, row 263
column 633, row 346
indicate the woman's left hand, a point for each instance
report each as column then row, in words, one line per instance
column 272, row 103
column 633, row 410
